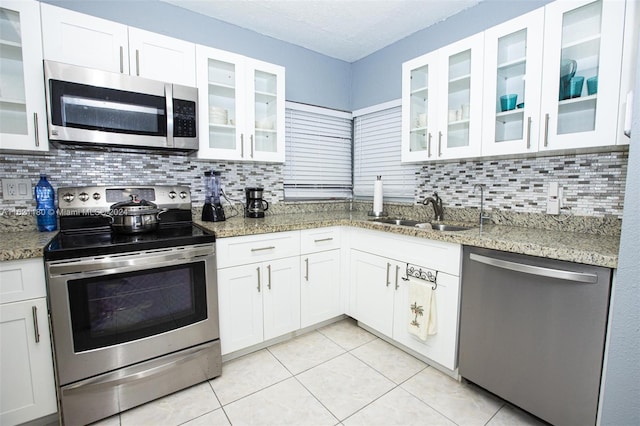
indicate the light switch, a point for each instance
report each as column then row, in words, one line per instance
column 553, row 198
column 16, row 189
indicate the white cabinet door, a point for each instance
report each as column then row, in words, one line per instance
column 84, row 40
column 240, row 307
column 265, row 116
column 320, row 287
column 442, row 102
column 513, row 75
column 372, row 277
column 460, row 99
column 582, row 41
column 281, row 296
column 27, row 387
column 22, row 101
column 419, row 111
column 242, row 108
column 440, row 347
column 162, row 58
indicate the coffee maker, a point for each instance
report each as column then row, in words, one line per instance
column 212, row 210
column 255, row 206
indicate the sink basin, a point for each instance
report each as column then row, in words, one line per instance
column 444, row 227
column 403, row 222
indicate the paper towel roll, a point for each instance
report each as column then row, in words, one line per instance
column 377, row 196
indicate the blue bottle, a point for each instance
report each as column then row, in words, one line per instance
column 46, row 216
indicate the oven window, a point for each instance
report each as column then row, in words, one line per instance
column 118, row 308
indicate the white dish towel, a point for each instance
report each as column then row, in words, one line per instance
column 422, row 314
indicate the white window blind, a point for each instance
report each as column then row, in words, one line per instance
column 377, row 139
column 318, row 153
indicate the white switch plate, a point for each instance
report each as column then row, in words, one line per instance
column 553, row 198
column 16, row 189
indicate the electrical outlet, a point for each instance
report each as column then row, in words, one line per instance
column 16, row 189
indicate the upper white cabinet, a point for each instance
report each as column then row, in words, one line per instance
column 511, row 101
column 442, row 102
column 87, row 41
column 241, row 107
column 581, row 74
column 22, row 102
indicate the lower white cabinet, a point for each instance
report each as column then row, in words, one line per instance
column 319, row 287
column 258, row 302
column 27, row 386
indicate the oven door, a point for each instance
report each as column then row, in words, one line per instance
column 109, row 312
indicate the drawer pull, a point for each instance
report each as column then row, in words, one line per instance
column 34, row 312
column 323, row 239
column 263, row 248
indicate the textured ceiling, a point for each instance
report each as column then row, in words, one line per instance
column 342, row 29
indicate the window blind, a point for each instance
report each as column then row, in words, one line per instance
column 318, row 149
column 377, row 139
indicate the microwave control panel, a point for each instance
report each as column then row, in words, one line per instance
column 184, row 119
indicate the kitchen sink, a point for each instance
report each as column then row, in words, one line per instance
column 423, row 225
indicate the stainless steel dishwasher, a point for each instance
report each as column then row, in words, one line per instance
column 532, row 331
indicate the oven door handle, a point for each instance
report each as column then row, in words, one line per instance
column 113, row 379
column 133, row 261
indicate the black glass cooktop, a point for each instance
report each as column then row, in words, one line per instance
column 95, row 242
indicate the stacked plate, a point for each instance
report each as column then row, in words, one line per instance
column 218, row 115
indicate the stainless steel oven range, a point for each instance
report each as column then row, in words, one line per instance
column 134, row 315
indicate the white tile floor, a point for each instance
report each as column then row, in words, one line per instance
column 339, row 374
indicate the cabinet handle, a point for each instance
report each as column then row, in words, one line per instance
column 262, row 248
column 258, row 270
column 36, row 134
column 439, row 144
column 323, row 239
column 269, row 277
column 121, row 59
column 429, row 146
column 306, row 273
column 241, row 145
column 34, row 312
column 528, row 132
column 397, row 273
column 388, row 268
column 546, row 129
column 251, row 140
column 137, row 62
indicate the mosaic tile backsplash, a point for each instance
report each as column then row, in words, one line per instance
column 593, row 184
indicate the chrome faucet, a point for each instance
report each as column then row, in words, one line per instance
column 436, row 201
column 483, row 216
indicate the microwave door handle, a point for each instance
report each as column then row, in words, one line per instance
column 168, row 89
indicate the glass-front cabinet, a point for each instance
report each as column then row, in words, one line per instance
column 513, row 69
column 241, row 107
column 583, row 44
column 443, row 90
column 22, row 101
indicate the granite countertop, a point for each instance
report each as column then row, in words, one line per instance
column 591, row 249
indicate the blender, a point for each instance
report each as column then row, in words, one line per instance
column 212, row 210
column 255, row 206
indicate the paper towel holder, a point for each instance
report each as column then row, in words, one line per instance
column 377, row 186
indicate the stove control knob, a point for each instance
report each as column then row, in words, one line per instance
column 83, row 196
column 183, row 195
column 172, row 194
column 96, row 196
column 68, row 197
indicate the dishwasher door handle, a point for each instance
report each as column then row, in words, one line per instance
column 536, row 270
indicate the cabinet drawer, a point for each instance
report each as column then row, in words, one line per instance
column 22, row 280
column 257, row 248
column 319, row 239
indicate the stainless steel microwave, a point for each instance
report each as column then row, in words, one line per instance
column 103, row 108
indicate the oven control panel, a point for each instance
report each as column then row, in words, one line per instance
column 99, row 199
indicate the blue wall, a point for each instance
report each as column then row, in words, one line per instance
column 377, row 77
column 310, row 77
